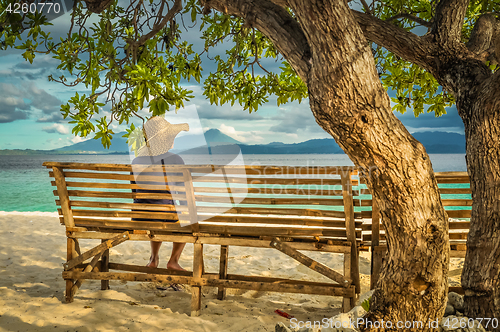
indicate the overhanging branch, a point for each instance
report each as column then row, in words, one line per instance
column 448, row 21
column 275, row 23
column 411, row 17
column 404, row 44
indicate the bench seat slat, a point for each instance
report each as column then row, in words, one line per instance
column 216, row 229
column 258, row 169
column 127, row 195
column 209, row 179
column 277, row 210
column 273, row 201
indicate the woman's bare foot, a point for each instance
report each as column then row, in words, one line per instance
column 175, row 266
column 153, row 262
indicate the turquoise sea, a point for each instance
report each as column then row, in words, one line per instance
column 26, row 183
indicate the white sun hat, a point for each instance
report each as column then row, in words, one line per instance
column 159, row 135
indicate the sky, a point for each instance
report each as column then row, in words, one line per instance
column 30, row 107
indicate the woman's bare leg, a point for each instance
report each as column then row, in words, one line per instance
column 155, row 257
column 173, row 263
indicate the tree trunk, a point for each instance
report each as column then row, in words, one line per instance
column 349, row 102
column 481, row 274
column 327, row 49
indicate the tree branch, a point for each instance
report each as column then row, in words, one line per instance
column 404, row 44
column 275, row 23
column 485, row 39
column 410, row 17
column 448, row 21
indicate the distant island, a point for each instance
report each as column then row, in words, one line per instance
column 433, row 141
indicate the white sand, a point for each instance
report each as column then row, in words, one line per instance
column 33, row 248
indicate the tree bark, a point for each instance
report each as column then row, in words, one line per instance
column 349, row 102
column 328, row 50
column 481, row 274
column 461, row 70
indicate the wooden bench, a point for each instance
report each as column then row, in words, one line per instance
column 454, row 188
column 286, row 208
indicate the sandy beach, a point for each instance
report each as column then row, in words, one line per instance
column 33, row 248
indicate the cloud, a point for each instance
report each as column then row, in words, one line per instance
column 17, row 102
column 450, row 122
column 226, row 112
column 56, row 127
column 12, row 105
column 251, row 137
column 42, row 100
column 54, row 117
column 78, row 139
column 297, row 119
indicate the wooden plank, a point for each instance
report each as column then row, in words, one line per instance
column 281, row 190
column 310, row 263
column 347, row 302
column 351, row 228
column 459, row 213
column 279, row 280
column 259, row 169
column 452, row 235
column 298, row 244
column 456, row 289
column 126, row 195
column 149, row 270
column 223, row 263
column 311, row 288
column 457, row 202
column 88, row 268
column 136, row 225
column 451, row 174
column 124, row 214
column 156, row 179
column 376, row 259
column 455, row 191
column 271, row 201
column 127, row 206
column 105, row 267
column 62, row 192
column 96, row 250
column 70, row 248
column 452, row 225
column 197, row 273
column 274, row 231
column 277, row 220
column 459, row 225
column 278, row 210
column 126, row 185
column 452, row 179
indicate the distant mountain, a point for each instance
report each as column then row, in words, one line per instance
column 118, row 144
column 434, row 142
column 441, row 142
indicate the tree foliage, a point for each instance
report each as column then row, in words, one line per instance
column 132, row 55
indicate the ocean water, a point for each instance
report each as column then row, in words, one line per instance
column 26, row 183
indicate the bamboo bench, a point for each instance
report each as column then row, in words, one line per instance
column 450, row 183
column 286, row 208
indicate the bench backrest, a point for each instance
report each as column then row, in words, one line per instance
column 266, row 201
column 454, row 188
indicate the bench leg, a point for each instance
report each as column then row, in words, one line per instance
column 376, row 264
column 197, row 273
column 105, row 268
column 224, row 254
column 70, row 246
column 347, row 302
